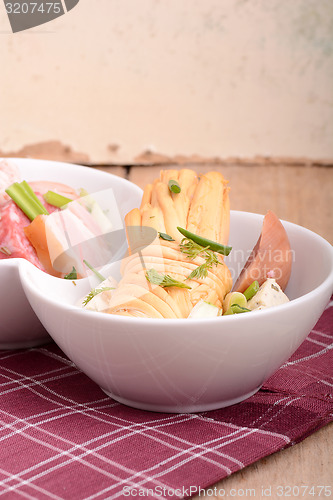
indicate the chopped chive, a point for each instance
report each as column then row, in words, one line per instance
column 166, row 237
column 204, row 242
column 99, row 275
column 25, row 201
column 236, row 309
column 55, row 199
column 251, row 290
column 239, row 309
column 72, row 275
column 174, row 186
column 233, row 298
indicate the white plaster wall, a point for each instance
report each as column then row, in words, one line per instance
column 209, row 77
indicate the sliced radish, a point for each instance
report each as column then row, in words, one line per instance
column 271, row 254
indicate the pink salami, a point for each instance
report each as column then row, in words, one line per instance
column 13, row 241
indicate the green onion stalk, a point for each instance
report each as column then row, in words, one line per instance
column 24, row 197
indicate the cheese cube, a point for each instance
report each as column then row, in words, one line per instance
column 268, row 295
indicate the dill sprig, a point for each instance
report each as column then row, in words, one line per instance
column 95, row 292
column 193, row 250
column 164, row 280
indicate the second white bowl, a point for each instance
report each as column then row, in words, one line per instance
column 19, row 325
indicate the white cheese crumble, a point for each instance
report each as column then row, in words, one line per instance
column 268, row 295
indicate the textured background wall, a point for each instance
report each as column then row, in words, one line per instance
column 113, row 78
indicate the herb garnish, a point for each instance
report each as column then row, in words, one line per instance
column 95, row 292
column 164, row 280
column 72, row 275
column 193, row 250
column 166, row 237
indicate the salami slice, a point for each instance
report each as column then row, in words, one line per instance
column 13, row 241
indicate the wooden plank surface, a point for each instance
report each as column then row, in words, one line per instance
column 308, row 463
column 303, row 195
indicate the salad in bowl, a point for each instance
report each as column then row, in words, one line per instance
column 46, row 214
column 203, row 305
column 176, row 267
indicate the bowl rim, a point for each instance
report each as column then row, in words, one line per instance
column 72, row 166
column 323, row 287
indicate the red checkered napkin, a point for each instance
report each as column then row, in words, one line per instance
column 61, row 438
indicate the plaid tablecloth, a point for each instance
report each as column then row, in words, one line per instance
column 62, row 438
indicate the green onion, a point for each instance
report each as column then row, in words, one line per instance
column 166, row 237
column 20, row 193
column 174, row 186
column 55, row 199
column 99, row 275
column 27, row 188
column 233, row 298
column 72, row 275
column 204, row 242
column 236, row 309
column 251, row 290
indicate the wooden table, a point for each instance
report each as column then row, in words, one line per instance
column 302, row 194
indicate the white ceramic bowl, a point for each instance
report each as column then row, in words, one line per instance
column 189, row 365
column 19, row 326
